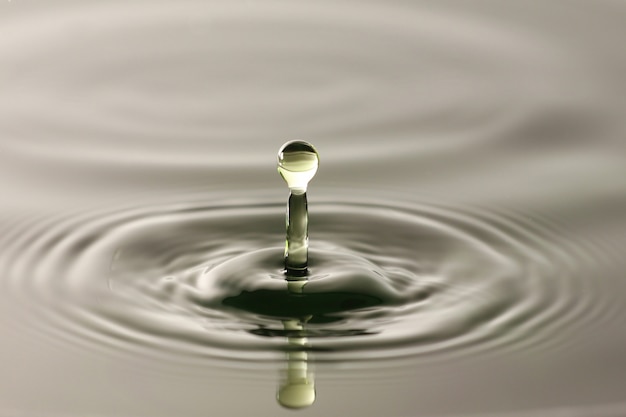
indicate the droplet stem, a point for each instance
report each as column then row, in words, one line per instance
column 297, row 243
column 297, row 164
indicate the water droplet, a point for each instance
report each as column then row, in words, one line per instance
column 297, row 164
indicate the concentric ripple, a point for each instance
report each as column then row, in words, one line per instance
column 193, row 73
column 198, row 281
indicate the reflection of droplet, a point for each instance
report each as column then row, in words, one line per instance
column 297, row 164
column 297, row 395
column 298, row 390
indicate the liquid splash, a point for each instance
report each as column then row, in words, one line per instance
column 297, row 164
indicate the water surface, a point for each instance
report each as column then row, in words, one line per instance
column 466, row 222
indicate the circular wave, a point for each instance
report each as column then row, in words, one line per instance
column 192, row 83
column 201, row 281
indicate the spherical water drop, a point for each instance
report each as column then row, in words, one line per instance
column 297, row 164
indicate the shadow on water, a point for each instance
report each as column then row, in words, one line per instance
column 320, row 307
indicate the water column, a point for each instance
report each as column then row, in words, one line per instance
column 297, row 164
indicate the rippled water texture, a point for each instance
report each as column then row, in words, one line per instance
column 466, row 223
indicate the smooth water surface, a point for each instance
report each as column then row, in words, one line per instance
column 466, row 223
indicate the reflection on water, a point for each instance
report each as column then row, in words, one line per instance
column 298, row 388
column 466, row 230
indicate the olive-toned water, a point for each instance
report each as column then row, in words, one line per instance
column 466, row 224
